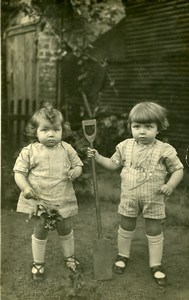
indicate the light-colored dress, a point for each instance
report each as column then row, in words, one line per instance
column 144, row 171
column 47, row 170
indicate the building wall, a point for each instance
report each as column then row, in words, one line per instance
column 148, row 54
column 48, row 44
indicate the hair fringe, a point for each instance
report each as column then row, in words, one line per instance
column 149, row 111
column 46, row 110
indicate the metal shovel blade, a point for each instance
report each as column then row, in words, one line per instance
column 102, row 259
column 102, row 255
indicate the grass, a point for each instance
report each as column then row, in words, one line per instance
column 177, row 208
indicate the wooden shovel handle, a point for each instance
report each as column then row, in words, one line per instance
column 97, row 204
column 90, row 138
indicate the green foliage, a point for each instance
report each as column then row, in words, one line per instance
column 112, row 129
column 89, row 21
column 8, row 10
column 79, row 24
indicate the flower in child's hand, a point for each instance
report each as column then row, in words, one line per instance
column 29, row 193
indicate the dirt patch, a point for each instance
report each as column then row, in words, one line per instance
column 136, row 283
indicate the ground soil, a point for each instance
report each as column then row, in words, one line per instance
column 136, row 283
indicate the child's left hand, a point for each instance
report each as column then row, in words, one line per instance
column 73, row 174
column 166, row 189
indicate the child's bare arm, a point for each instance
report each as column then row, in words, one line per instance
column 102, row 160
column 25, row 187
column 172, row 183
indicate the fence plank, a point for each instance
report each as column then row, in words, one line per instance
column 30, row 68
column 21, row 80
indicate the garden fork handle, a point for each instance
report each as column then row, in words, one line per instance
column 97, row 204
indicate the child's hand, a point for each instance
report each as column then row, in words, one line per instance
column 166, row 189
column 29, row 193
column 91, row 152
column 74, row 173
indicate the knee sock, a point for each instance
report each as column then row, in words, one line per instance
column 38, row 250
column 67, row 244
column 155, row 244
column 124, row 242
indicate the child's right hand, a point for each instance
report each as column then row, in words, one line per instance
column 91, row 152
column 29, row 193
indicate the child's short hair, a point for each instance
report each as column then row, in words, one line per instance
column 47, row 112
column 148, row 112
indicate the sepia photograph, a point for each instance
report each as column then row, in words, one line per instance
column 94, row 149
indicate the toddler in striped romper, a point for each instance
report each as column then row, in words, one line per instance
column 145, row 163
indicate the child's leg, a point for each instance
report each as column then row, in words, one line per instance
column 155, row 241
column 155, row 244
column 66, row 236
column 39, row 241
column 67, row 243
column 125, row 234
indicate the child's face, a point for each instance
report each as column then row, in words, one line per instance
column 144, row 133
column 49, row 134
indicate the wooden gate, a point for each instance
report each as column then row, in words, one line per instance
column 21, row 74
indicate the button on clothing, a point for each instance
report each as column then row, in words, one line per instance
column 144, row 171
column 47, row 170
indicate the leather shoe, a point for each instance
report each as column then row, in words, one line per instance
column 159, row 276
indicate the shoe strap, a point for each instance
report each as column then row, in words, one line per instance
column 72, row 263
column 71, row 259
column 38, row 266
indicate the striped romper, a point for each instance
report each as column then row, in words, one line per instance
column 144, row 171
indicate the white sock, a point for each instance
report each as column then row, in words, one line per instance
column 67, row 244
column 124, row 241
column 38, row 250
column 155, row 244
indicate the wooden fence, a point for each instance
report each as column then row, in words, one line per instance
column 14, row 122
column 21, row 81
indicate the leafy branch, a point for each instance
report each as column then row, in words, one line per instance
column 77, row 24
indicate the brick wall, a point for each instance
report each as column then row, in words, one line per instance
column 48, row 44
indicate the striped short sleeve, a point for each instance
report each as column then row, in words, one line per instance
column 119, row 155
column 171, row 159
